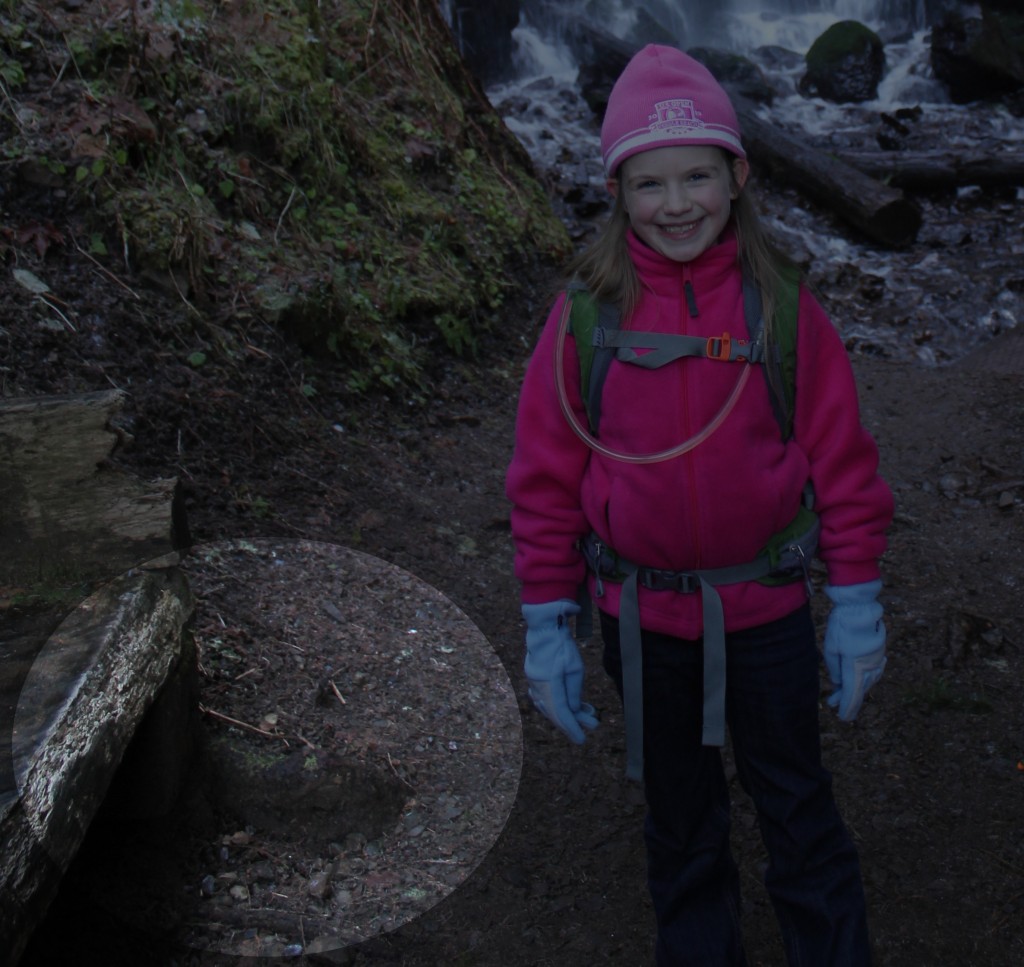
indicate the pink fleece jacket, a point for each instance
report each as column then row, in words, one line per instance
column 716, row 505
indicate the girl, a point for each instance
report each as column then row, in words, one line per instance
column 688, row 484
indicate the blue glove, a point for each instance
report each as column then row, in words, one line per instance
column 854, row 644
column 554, row 668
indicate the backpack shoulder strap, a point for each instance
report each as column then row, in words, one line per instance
column 588, row 319
column 780, row 357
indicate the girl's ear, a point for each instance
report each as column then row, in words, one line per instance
column 740, row 173
column 612, row 184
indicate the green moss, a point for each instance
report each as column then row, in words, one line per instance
column 839, row 41
column 335, row 146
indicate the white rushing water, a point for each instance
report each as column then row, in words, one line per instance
column 747, row 26
column 923, row 289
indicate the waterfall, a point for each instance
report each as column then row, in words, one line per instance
column 937, row 321
column 508, row 39
column 739, row 25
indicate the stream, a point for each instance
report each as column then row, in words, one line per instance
column 957, row 286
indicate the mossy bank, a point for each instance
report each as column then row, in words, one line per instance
column 328, row 165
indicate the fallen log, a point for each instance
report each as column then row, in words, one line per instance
column 881, row 212
column 937, row 170
column 121, row 658
column 75, row 688
column 63, row 512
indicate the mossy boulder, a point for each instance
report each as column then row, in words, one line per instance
column 845, row 64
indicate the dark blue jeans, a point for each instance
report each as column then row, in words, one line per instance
column 813, row 875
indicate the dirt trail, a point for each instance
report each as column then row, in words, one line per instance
column 930, row 779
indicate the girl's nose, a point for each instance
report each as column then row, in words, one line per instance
column 678, row 199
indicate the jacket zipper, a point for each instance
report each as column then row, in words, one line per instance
column 691, row 469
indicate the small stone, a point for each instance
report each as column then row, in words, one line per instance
column 264, row 870
column 952, row 483
column 319, row 885
column 239, row 892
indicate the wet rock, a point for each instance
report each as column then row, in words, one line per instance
column 586, row 200
column 319, row 884
column 979, row 58
column 597, row 76
column 845, row 64
column 893, row 133
column 649, row 30
column 778, row 58
column 735, row 72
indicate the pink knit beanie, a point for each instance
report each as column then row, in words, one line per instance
column 664, row 97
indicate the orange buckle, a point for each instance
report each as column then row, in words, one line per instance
column 719, row 346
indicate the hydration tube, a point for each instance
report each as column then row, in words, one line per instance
column 591, row 441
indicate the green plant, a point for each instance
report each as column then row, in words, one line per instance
column 371, row 204
column 11, row 72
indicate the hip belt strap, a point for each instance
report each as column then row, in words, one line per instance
column 607, row 565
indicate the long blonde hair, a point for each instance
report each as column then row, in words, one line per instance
column 606, row 269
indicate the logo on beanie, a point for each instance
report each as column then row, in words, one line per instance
column 677, row 113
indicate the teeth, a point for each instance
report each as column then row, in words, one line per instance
column 680, row 228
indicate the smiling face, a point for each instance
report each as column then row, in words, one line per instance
column 679, row 198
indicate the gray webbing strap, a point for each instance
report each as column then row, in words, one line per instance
column 632, row 671
column 714, row 666
column 667, row 347
column 615, row 568
column 664, row 347
column 632, row 677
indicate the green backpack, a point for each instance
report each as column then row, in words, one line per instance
column 599, row 339
column 596, row 328
column 786, row 556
